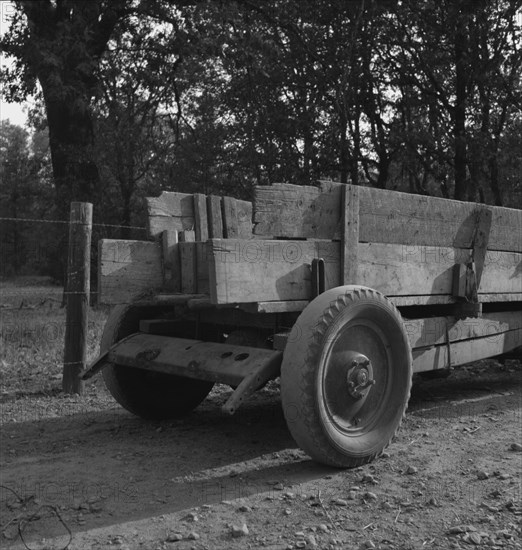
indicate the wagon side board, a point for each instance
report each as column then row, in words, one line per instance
column 263, row 271
column 305, row 212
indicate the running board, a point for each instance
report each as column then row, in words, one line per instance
column 243, row 367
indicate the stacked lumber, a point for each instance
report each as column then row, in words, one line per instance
column 405, row 246
column 414, row 249
column 175, row 259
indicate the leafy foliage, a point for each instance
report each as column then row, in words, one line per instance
column 146, row 95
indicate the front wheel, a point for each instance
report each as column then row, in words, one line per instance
column 150, row 395
column 346, row 376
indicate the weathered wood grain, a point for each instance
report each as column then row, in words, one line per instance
column 466, row 351
column 77, row 296
column 215, row 219
column 188, row 259
column 293, row 211
column 259, row 271
column 128, row 269
column 200, row 216
column 170, row 211
column 431, row 331
column 171, row 261
column 202, row 267
column 237, row 218
column 350, row 235
column 427, row 336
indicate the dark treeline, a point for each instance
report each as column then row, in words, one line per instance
column 138, row 96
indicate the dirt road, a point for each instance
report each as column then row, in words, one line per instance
column 211, row 481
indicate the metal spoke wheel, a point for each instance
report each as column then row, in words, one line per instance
column 346, row 376
column 151, row 395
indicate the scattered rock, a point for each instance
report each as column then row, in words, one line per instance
column 410, row 470
column 370, row 496
column 289, row 495
column 300, row 544
column 475, row 538
column 174, row 537
column 244, row 509
column 193, row 536
column 352, row 495
column 369, row 478
column 311, row 541
column 366, row 544
column 385, row 454
column 278, row 487
column 340, row 502
column 517, row 447
column 239, row 531
column 481, row 474
column 287, row 512
column 323, row 527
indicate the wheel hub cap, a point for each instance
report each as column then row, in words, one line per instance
column 359, row 377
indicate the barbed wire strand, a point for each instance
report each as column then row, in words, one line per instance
column 68, row 222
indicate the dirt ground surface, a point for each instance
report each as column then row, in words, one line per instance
column 451, row 479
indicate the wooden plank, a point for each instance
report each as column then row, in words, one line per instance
column 281, row 307
column 237, row 218
column 127, row 270
column 260, row 271
column 189, row 283
column 350, row 236
column 397, row 270
column 427, row 332
column 170, row 211
column 298, row 211
column 188, row 259
column 480, row 243
column 77, row 296
column 170, row 299
column 202, row 267
column 257, row 271
column 466, row 351
column 171, row 261
column 215, row 221
column 294, row 211
column 429, row 300
column 200, row 217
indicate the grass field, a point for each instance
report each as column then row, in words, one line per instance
column 32, row 331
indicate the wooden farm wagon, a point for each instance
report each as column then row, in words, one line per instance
column 342, row 291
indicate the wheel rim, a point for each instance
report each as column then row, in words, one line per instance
column 356, row 379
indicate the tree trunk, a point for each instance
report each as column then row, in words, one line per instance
column 71, row 140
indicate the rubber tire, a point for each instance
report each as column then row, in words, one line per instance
column 149, row 395
column 303, row 367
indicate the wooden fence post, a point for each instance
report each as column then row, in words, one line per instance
column 77, row 296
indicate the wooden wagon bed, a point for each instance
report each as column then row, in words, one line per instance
column 219, row 252
column 343, row 291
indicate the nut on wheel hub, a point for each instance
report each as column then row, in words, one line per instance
column 359, row 377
